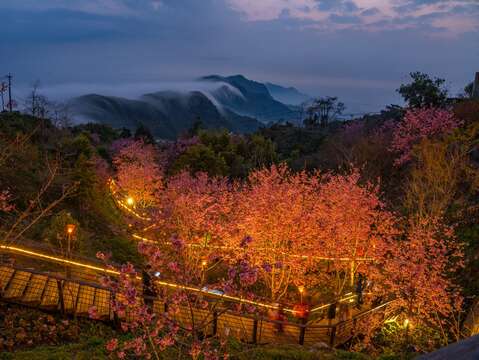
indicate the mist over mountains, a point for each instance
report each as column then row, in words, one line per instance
column 233, row 102
column 287, row 95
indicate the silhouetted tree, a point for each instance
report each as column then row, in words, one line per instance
column 324, row 110
column 59, row 115
column 424, row 91
column 468, row 89
column 37, row 104
column 144, row 134
column 125, row 133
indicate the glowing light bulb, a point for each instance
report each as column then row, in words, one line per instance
column 70, row 228
column 130, row 201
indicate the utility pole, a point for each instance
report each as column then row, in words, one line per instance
column 10, row 104
column 3, row 88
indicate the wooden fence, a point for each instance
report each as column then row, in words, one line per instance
column 51, row 292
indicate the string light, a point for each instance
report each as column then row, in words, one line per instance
column 130, row 201
column 142, row 238
column 162, row 283
column 70, row 228
column 301, row 289
column 116, row 272
column 57, row 259
column 126, row 206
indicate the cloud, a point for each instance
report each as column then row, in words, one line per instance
column 370, row 12
column 369, row 15
column 336, row 5
column 132, row 90
column 97, row 7
column 359, row 50
column 344, row 19
column 330, row 15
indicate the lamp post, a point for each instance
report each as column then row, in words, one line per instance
column 70, row 230
column 204, row 263
column 301, row 291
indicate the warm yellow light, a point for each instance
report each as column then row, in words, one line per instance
column 391, row 320
column 406, row 322
column 70, row 228
column 301, row 289
column 163, row 283
column 57, row 259
column 142, row 238
column 130, row 201
column 204, row 262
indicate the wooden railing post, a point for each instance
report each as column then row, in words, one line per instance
column 215, row 322
column 116, row 319
column 254, row 339
column 332, row 336
column 60, row 296
column 302, row 331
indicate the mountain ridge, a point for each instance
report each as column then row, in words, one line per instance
column 166, row 114
column 255, row 100
column 287, row 95
column 236, row 103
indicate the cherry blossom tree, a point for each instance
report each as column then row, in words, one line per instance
column 418, row 272
column 281, row 229
column 152, row 333
column 195, row 208
column 353, row 228
column 418, row 124
column 273, row 219
column 137, row 171
column 297, row 224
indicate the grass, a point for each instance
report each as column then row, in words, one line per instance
column 89, row 341
column 95, row 349
column 296, row 352
column 91, row 349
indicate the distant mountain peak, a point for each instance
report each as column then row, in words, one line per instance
column 166, row 113
column 287, row 95
column 256, row 100
column 233, row 102
column 242, row 83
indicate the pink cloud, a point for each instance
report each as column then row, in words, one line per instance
column 371, row 15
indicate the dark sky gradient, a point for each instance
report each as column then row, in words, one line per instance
column 359, row 50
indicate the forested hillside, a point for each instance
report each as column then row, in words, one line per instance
column 383, row 208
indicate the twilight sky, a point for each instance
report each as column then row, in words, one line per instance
column 359, row 50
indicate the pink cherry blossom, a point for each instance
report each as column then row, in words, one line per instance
column 418, row 124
